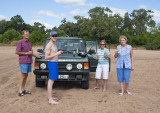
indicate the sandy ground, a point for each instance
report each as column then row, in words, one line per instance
column 145, row 86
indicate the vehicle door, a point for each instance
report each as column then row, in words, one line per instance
column 91, row 47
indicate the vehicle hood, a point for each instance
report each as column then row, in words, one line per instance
column 66, row 58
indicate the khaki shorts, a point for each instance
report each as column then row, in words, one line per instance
column 102, row 68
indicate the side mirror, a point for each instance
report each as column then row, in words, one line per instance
column 40, row 50
column 91, row 51
column 82, row 54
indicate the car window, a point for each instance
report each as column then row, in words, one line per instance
column 92, row 45
column 69, row 45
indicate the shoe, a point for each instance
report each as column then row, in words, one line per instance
column 52, row 102
column 26, row 92
column 21, row 94
column 129, row 93
column 121, row 94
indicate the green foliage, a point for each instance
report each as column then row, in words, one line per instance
column 1, row 39
column 37, row 38
column 154, row 45
column 102, row 23
column 10, row 35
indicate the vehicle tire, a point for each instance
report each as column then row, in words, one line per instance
column 85, row 84
column 39, row 83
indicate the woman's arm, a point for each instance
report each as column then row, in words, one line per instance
column 96, row 57
column 132, row 64
column 108, row 56
column 116, row 53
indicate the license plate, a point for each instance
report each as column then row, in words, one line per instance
column 63, row 76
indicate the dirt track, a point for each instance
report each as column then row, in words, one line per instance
column 145, row 86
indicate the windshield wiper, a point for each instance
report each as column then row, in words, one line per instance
column 62, row 50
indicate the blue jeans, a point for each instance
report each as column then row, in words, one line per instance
column 123, row 74
column 25, row 68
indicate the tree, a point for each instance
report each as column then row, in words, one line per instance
column 39, row 26
column 141, row 19
column 37, row 38
column 16, row 23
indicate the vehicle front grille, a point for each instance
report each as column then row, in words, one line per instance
column 62, row 66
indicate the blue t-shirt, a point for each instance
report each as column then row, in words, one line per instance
column 101, row 58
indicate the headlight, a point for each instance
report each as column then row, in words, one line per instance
column 79, row 66
column 69, row 67
column 43, row 66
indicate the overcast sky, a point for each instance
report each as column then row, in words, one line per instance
column 51, row 12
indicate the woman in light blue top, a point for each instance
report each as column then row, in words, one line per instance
column 124, row 64
column 103, row 56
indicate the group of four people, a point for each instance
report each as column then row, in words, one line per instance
column 124, row 64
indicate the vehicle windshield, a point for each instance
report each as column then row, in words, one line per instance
column 70, row 45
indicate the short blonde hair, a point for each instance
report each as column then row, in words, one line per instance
column 101, row 42
column 24, row 31
column 122, row 37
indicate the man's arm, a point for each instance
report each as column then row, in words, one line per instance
column 23, row 53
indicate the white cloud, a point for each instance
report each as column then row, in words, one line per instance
column 156, row 15
column 3, row 17
column 51, row 14
column 143, row 7
column 91, row 5
column 48, row 26
column 34, row 16
column 121, row 12
column 79, row 12
column 71, row 2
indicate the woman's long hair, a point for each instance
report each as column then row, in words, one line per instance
column 101, row 42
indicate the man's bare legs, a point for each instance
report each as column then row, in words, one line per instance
column 50, row 84
column 23, row 80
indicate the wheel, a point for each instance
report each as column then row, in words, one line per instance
column 39, row 83
column 85, row 84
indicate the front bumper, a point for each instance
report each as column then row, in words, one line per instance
column 72, row 75
column 46, row 72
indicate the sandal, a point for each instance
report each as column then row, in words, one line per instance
column 26, row 92
column 96, row 88
column 52, row 102
column 129, row 93
column 121, row 94
column 21, row 94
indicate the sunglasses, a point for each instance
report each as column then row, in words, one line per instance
column 54, row 35
column 102, row 44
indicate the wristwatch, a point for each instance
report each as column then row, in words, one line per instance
column 25, row 53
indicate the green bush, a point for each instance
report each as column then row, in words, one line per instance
column 155, row 45
column 1, row 39
column 10, row 35
column 37, row 38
